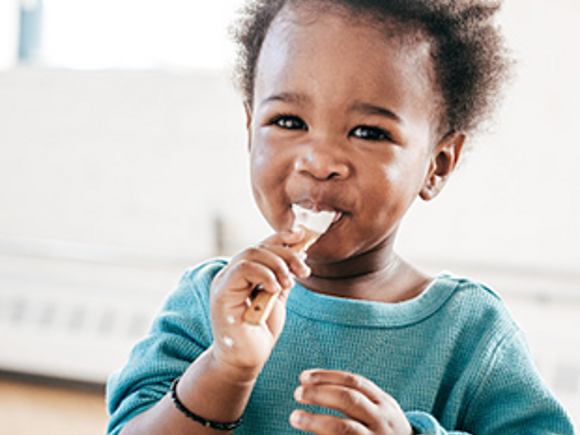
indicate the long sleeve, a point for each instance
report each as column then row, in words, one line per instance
column 511, row 399
column 426, row 424
column 179, row 334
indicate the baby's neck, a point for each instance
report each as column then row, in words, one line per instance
column 393, row 281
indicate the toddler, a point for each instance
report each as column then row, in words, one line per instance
column 356, row 107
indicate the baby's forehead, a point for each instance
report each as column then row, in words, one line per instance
column 385, row 38
column 338, row 63
column 409, row 39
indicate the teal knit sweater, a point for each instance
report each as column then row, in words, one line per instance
column 453, row 358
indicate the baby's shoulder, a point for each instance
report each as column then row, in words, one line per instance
column 463, row 286
column 475, row 303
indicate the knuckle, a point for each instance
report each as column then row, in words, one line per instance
column 252, row 251
column 353, row 380
column 389, row 404
column 350, row 398
column 347, row 427
column 243, row 265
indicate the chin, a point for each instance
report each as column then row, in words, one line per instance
column 320, row 256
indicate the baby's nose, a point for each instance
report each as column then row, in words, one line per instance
column 322, row 163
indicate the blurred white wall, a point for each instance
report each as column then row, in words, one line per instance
column 126, row 159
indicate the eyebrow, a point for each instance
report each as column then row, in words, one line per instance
column 372, row 109
column 287, row 97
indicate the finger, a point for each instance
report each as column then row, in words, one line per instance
column 323, row 424
column 347, row 379
column 294, row 260
column 289, row 237
column 274, row 259
column 246, row 275
column 271, row 260
column 350, row 402
column 275, row 322
column 378, row 410
column 280, row 244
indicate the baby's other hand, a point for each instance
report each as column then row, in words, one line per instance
column 367, row 408
column 271, row 266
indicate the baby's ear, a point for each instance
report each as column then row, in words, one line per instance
column 443, row 163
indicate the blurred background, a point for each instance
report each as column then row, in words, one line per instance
column 123, row 162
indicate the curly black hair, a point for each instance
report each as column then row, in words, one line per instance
column 469, row 57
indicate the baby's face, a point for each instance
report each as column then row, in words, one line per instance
column 342, row 119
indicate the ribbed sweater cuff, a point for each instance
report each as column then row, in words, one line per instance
column 425, row 424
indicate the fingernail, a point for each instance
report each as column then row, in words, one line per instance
column 305, row 272
column 307, row 375
column 288, row 282
column 299, row 394
column 296, row 418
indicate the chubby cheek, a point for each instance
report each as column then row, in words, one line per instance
column 268, row 174
column 389, row 195
column 400, row 191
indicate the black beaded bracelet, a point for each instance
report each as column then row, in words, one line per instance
column 197, row 418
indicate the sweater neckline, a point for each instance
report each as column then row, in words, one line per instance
column 354, row 312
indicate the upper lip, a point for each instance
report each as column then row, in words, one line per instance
column 318, row 202
column 317, row 206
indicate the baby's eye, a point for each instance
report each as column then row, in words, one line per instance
column 370, row 133
column 289, row 122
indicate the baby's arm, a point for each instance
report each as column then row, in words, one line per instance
column 217, row 385
column 206, row 390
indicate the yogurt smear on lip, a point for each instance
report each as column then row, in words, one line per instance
column 315, row 220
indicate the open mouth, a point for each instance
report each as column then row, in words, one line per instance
column 317, row 214
column 316, row 206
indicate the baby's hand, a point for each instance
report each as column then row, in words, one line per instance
column 270, row 265
column 367, row 408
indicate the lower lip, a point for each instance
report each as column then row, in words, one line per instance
column 336, row 225
column 337, row 220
